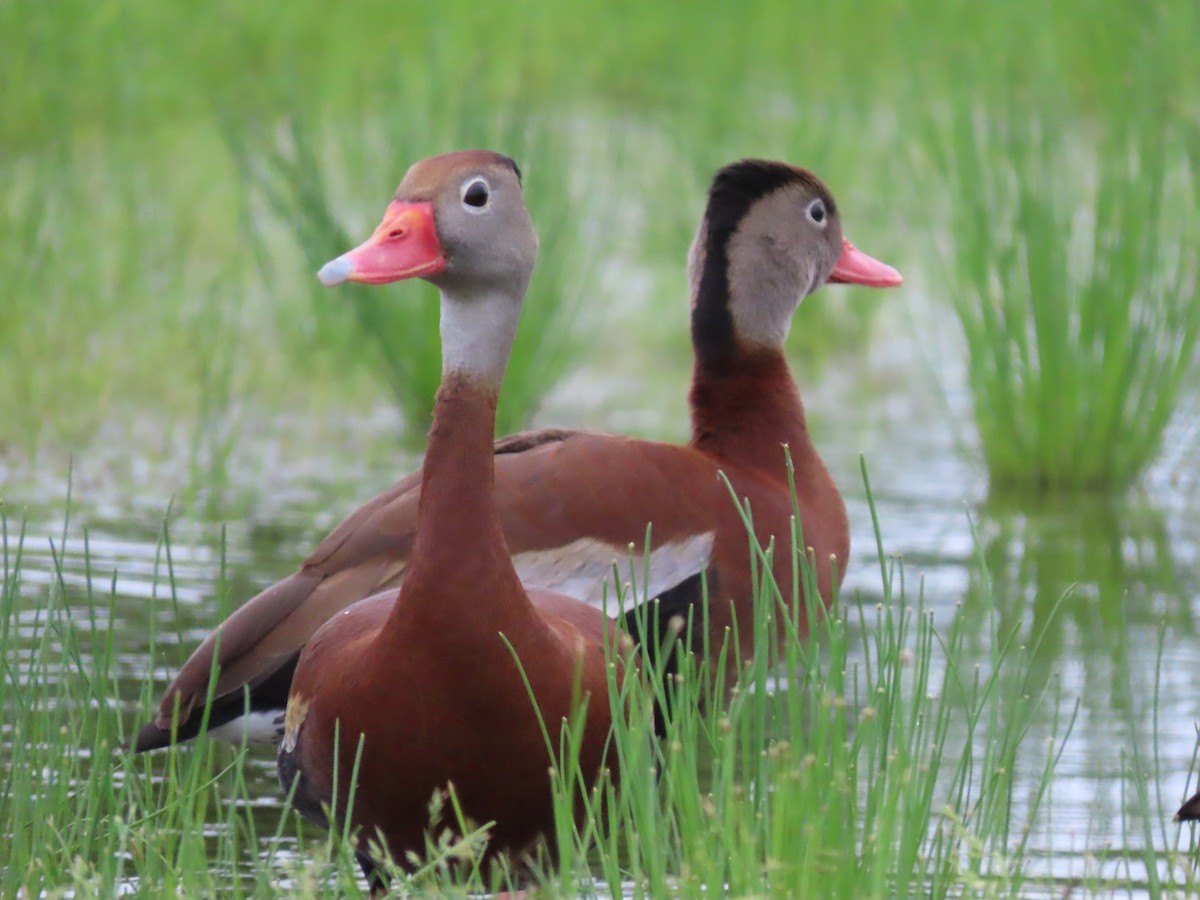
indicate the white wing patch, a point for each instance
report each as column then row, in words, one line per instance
column 260, row 727
column 583, row 569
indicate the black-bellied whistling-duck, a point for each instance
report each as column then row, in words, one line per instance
column 571, row 502
column 426, row 676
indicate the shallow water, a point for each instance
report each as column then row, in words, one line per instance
column 1110, row 586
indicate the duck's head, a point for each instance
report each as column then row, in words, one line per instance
column 770, row 236
column 458, row 220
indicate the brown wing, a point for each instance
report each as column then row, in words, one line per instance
column 527, row 440
column 267, row 630
column 555, row 489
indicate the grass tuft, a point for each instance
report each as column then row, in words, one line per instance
column 1073, row 272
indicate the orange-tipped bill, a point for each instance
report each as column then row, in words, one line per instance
column 855, row 267
column 405, row 245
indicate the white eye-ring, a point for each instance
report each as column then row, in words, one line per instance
column 475, row 195
column 817, row 214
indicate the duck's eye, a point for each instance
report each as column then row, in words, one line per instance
column 476, row 194
column 816, row 213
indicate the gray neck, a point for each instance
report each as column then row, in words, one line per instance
column 478, row 325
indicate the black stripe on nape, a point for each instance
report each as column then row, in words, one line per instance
column 516, row 169
column 735, row 189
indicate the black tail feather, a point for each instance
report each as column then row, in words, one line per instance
column 269, row 694
column 659, row 627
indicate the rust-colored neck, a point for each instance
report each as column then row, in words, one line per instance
column 746, row 408
column 460, row 574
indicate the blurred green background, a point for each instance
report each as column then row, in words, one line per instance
column 172, row 176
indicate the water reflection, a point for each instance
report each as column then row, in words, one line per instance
column 1092, row 588
column 1079, row 573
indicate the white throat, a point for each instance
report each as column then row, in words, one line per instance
column 478, row 328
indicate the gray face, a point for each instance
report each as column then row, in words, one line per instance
column 785, row 247
column 480, row 215
column 490, row 249
column 485, row 230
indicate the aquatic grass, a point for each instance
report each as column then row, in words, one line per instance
column 108, row 284
column 78, row 812
column 1100, row 573
column 871, row 757
column 875, row 753
column 150, row 63
column 1072, row 268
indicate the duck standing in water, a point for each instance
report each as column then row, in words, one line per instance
column 427, row 678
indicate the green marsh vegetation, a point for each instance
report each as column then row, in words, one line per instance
column 1074, row 272
column 875, row 757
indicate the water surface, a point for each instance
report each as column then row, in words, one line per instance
column 1108, row 586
